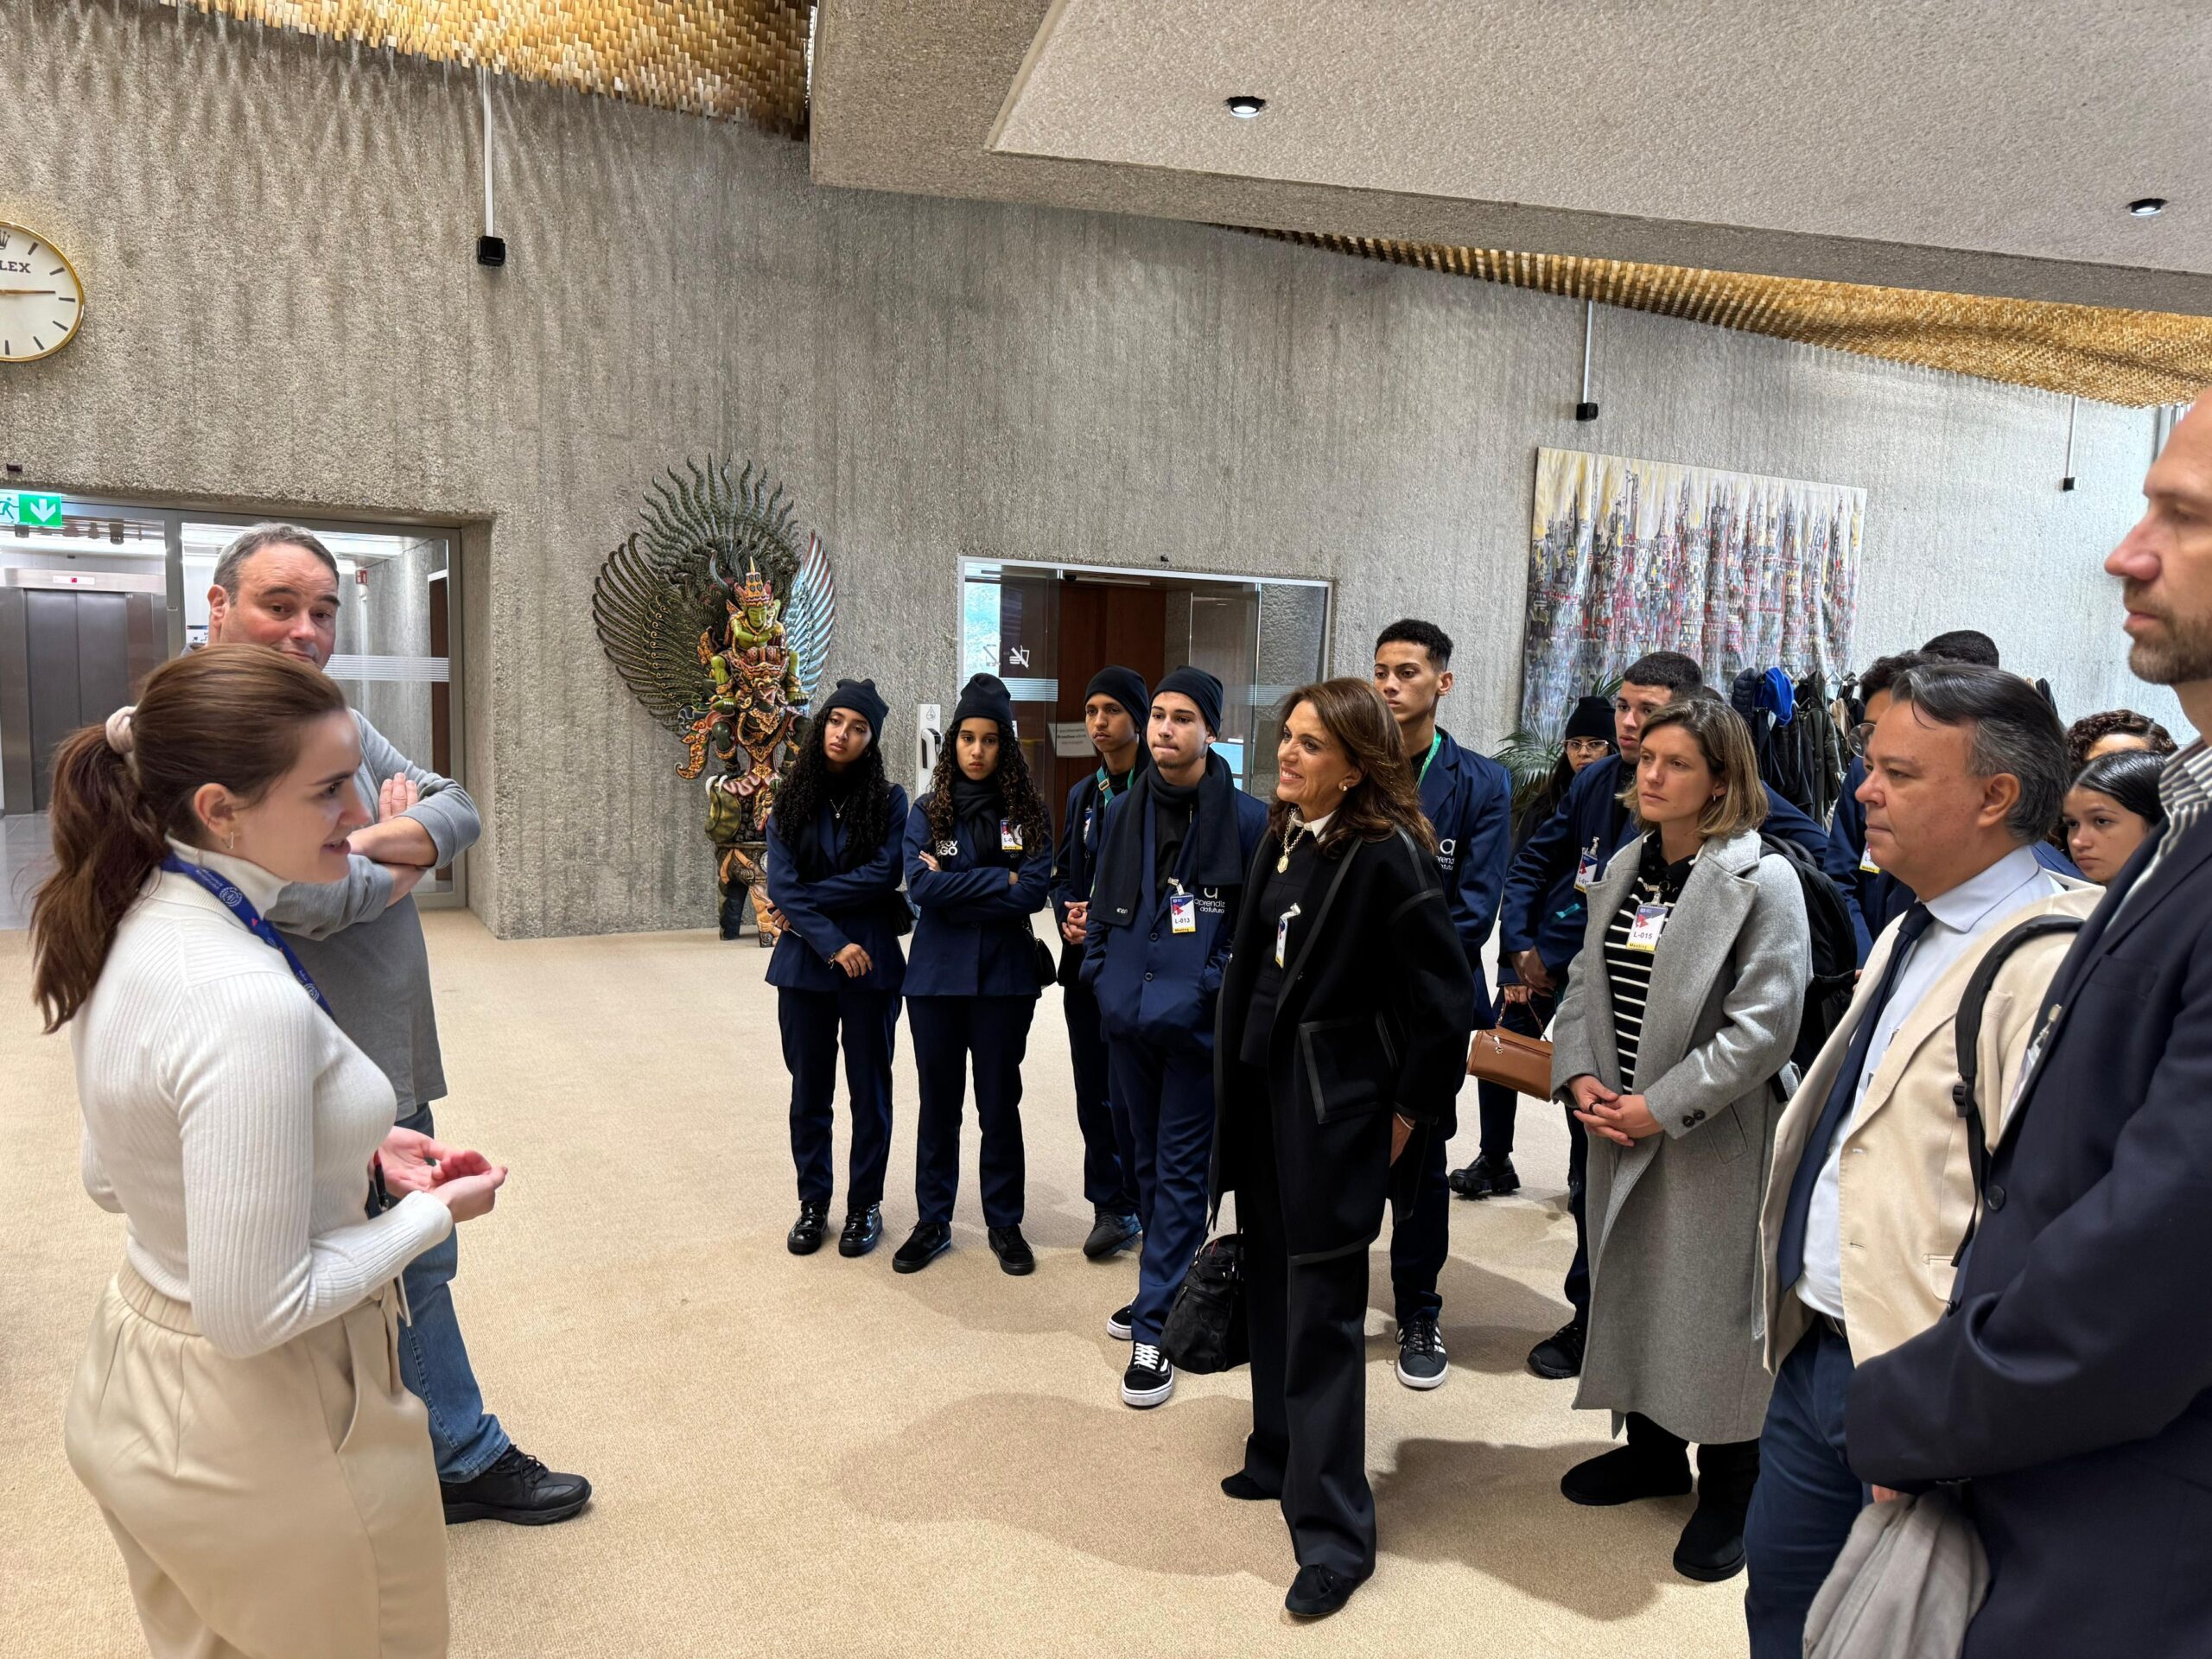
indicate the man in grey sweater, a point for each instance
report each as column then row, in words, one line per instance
column 362, row 939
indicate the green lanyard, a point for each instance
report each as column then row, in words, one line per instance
column 1434, row 744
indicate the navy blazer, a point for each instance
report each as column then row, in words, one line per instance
column 1873, row 898
column 1151, row 982
column 852, row 907
column 1075, row 863
column 2073, row 1381
column 1468, row 799
column 1543, row 909
column 972, row 935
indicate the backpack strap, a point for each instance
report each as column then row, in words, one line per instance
column 1966, row 1033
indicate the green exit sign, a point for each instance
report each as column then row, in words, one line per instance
column 34, row 512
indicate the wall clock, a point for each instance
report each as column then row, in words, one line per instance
column 42, row 302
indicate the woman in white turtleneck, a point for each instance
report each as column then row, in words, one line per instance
column 239, row 1414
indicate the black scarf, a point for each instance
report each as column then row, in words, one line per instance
column 1212, row 854
column 981, row 807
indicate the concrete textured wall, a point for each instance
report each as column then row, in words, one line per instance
column 283, row 312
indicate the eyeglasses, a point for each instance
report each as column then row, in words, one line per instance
column 1861, row 735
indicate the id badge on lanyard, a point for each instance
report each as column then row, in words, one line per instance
column 1282, row 933
column 1182, row 912
column 1648, row 923
column 1585, row 869
column 1867, row 865
column 1009, row 835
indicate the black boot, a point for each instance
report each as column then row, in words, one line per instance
column 1486, row 1178
column 1712, row 1547
column 1654, row 1464
column 863, row 1230
column 805, row 1235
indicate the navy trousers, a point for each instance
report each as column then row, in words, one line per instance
column 1807, row 1497
column 1107, row 1182
column 1499, row 1105
column 951, row 1031
column 1420, row 1227
column 1167, row 1094
column 811, row 1022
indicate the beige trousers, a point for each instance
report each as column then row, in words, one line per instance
column 281, row 1507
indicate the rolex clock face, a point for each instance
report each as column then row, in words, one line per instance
column 42, row 302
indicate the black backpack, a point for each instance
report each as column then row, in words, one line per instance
column 1835, row 950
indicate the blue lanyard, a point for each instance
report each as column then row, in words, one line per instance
column 242, row 908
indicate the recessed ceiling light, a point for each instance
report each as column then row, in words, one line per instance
column 2148, row 207
column 1246, row 106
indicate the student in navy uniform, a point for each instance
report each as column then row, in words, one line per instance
column 1114, row 712
column 1541, row 927
column 1163, row 909
column 1588, row 740
column 979, row 861
column 833, row 872
column 1468, row 800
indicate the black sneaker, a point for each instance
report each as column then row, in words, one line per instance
column 863, row 1231
column 517, row 1489
column 1013, row 1250
column 1111, row 1233
column 1486, row 1178
column 1560, row 1354
column 929, row 1239
column 1149, row 1380
column 1117, row 1322
column 1420, row 1356
column 805, row 1235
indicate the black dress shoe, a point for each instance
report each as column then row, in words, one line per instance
column 1112, row 1232
column 929, row 1239
column 1246, row 1490
column 863, row 1231
column 517, row 1489
column 805, row 1235
column 1013, row 1250
column 1625, row 1474
column 1316, row 1592
column 1486, row 1178
column 1559, row 1354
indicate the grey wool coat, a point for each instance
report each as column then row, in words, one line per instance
column 1674, row 1221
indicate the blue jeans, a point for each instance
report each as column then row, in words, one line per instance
column 435, row 1361
column 1807, row 1497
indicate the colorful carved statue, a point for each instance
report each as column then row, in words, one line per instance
column 727, row 666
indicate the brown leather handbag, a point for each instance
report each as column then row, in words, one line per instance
column 1523, row 1064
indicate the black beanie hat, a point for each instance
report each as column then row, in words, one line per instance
column 1200, row 688
column 984, row 698
column 1126, row 687
column 1593, row 717
column 859, row 696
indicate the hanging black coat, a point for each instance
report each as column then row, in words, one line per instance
column 1374, row 1014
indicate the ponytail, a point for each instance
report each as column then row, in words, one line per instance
column 104, row 846
column 227, row 715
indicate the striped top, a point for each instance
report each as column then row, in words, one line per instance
column 1628, row 969
column 2185, row 789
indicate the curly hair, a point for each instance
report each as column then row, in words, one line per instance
column 1386, row 798
column 800, row 799
column 2082, row 735
column 1024, row 806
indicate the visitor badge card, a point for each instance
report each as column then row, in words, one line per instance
column 1282, row 933
column 1009, row 835
column 1650, row 921
column 1586, row 871
column 1182, row 912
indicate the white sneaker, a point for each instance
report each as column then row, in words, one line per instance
column 1149, row 1380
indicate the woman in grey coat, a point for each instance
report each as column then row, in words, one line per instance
column 1670, row 1047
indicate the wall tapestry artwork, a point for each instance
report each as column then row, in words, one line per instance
column 1735, row 570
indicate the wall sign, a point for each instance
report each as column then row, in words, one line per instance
column 38, row 511
column 42, row 302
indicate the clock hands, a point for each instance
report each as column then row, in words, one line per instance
column 7, row 293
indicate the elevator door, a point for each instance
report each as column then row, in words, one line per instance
column 79, row 647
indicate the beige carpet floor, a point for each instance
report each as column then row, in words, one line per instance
column 819, row 1457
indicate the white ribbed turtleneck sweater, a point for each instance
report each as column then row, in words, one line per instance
column 231, row 1122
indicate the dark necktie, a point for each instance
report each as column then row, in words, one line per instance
column 1789, row 1257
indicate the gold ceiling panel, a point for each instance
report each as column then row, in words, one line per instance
column 727, row 58
column 2134, row 357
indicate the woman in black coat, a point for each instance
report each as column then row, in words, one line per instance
column 1341, row 1034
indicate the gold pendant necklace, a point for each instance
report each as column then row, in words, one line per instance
column 1297, row 830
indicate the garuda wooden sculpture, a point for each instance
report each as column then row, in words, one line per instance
column 718, row 614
